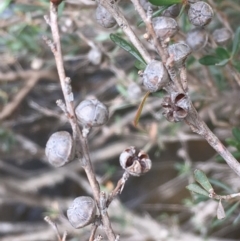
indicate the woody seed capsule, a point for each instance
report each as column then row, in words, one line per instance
column 104, row 18
column 92, row 113
column 164, row 27
column 59, row 148
column 136, row 162
column 197, row 39
column 179, row 51
column 172, row 11
column 200, row 13
column 155, row 76
column 81, row 212
column 222, row 36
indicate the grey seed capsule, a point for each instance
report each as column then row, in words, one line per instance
column 92, row 113
column 172, row 11
column 81, row 212
column 104, row 18
column 136, row 162
column 155, row 76
column 146, row 4
column 197, row 39
column 222, row 36
column 179, row 51
column 200, row 14
column 164, row 27
column 59, row 148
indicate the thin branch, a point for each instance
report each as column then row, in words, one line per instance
column 148, row 21
column 123, row 23
column 17, row 100
column 77, row 135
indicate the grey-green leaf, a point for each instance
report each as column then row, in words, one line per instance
column 197, row 189
column 202, row 179
column 127, row 46
column 164, row 2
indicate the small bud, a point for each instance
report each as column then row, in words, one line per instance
column 59, row 148
column 92, row 113
column 175, row 106
column 197, row 39
column 222, row 36
column 164, row 27
column 136, row 162
column 155, row 76
column 104, row 18
column 81, row 212
column 200, row 13
column 179, row 51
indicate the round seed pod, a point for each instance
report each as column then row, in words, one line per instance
column 175, row 106
column 200, row 13
column 173, row 11
column 155, row 76
column 179, row 51
column 81, row 212
column 59, row 148
column 197, row 39
column 222, row 36
column 146, row 4
column 164, row 27
column 92, row 113
column 104, row 18
column 136, row 162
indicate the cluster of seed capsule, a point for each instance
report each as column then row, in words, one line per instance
column 60, row 148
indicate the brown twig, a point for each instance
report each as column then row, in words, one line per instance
column 12, row 106
column 123, row 23
column 148, row 21
column 77, row 135
column 193, row 119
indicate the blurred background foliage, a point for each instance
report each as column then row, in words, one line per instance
column 156, row 206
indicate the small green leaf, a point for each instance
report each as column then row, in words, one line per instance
column 202, row 179
column 139, row 110
column 197, row 189
column 139, row 65
column 222, row 53
column 4, row 4
column 164, row 2
column 127, row 46
column 236, row 133
column 236, row 42
column 209, row 60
